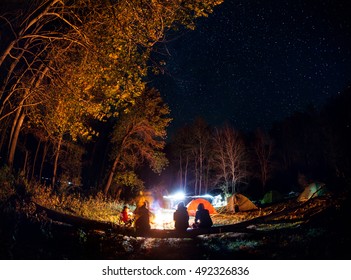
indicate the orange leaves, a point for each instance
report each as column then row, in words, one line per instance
column 139, row 134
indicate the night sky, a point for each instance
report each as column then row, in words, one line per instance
column 254, row 62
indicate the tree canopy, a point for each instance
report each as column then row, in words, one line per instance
column 139, row 136
column 65, row 64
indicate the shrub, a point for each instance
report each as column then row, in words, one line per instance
column 7, row 182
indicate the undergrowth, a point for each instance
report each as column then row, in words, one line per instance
column 95, row 207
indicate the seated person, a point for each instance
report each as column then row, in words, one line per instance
column 142, row 222
column 126, row 216
column 181, row 217
column 202, row 217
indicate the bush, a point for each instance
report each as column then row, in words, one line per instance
column 95, row 207
column 7, row 182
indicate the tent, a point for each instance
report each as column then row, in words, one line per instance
column 312, row 190
column 192, row 206
column 271, row 197
column 238, row 202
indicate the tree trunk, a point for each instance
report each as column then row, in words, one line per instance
column 200, row 169
column 35, row 159
column 20, row 115
column 57, row 154
column 11, row 70
column 180, row 171
column 45, row 150
column 2, row 140
column 110, row 177
column 13, row 141
column 207, row 177
column 15, row 123
column 196, row 177
column 4, row 125
column 7, row 51
column 25, row 164
column 186, row 174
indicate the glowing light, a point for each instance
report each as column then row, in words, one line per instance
column 177, row 196
column 218, row 201
column 205, row 196
column 163, row 219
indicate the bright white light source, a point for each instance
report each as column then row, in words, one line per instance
column 179, row 196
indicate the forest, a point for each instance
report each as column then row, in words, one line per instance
column 81, row 127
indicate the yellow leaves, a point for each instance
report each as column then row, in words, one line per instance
column 100, row 81
column 114, row 90
column 141, row 128
column 125, row 96
column 88, row 87
column 113, row 55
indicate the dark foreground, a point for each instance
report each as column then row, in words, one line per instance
column 326, row 236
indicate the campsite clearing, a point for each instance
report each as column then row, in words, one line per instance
column 315, row 229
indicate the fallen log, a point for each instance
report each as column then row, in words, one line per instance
column 74, row 220
column 241, row 227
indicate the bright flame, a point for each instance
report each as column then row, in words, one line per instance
column 163, row 219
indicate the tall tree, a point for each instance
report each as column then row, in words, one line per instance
column 139, row 136
column 201, row 135
column 180, row 146
column 229, row 158
column 263, row 147
column 98, row 51
column 35, row 31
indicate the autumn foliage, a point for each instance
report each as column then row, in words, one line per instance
column 66, row 65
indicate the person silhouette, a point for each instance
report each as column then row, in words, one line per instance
column 181, row 217
column 142, row 222
column 202, row 217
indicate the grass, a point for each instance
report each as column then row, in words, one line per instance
column 94, row 207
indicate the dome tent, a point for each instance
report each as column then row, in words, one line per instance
column 271, row 196
column 238, row 202
column 192, row 206
column 311, row 191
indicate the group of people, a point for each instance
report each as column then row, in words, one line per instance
column 180, row 217
column 142, row 221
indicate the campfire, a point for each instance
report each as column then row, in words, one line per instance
column 162, row 218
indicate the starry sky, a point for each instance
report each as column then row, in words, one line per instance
column 254, row 62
